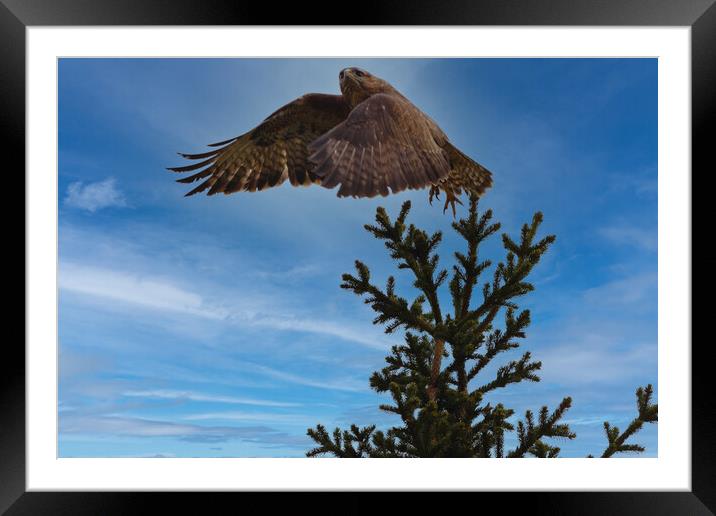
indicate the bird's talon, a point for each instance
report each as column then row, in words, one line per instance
column 434, row 193
column 451, row 200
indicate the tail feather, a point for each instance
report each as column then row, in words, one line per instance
column 466, row 173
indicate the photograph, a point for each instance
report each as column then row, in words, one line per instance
column 328, row 257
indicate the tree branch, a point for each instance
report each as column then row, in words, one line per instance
column 529, row 433
column 647, row 412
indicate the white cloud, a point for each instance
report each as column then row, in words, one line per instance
column 140, row 427
column 214, row 377
column 195, row 396
column 124, row 426
column 594, row 420
column 641, row 238
column 643, row 183
column 330, row 328
column 94, row 196
column 132, row 288
column 298, row 271
column 252, row 416
column 634, row 289
column 596, row 359
column 162, row 294
column 341, row 385
column 604, row 336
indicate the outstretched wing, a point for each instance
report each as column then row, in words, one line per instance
column 385, row 143
column 272, row 152
column 465, row 174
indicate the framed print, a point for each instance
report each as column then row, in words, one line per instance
column 446, row 241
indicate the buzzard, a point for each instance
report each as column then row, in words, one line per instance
column 369, row 140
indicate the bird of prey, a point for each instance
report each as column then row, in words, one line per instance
column 369, row 140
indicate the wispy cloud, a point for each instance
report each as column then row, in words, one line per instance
column 606, row 335
column 162, row 293
column 297, row 272
column 196, row 396
column 596, row 359
column 230, row 373
column 300, row 419
column 341, row 330
column 643, row 182
column 139, row 427
column 595, row 420
column 633, row 289
column 94, row 196
column 135, row 289
column 338, row 384
column 641, row 238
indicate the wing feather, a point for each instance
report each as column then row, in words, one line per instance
column 275, row 150
column 400, row 140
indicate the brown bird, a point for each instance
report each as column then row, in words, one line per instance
column 370, row 140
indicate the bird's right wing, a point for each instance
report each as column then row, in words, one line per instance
column 385, row 143
column 274, row 151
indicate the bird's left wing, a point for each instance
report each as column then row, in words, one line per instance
column 272, row 152
column 385, row 145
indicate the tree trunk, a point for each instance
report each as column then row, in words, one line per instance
column 435, row 370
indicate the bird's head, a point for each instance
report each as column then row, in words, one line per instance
column 357, row 85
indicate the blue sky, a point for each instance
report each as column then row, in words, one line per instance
column 214, row 326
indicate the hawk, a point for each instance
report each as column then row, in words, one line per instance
column 368, row 141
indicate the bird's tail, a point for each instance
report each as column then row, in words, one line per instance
column 466, row 173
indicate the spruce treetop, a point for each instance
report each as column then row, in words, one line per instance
column 435, row 378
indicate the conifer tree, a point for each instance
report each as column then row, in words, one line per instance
column 434, row 377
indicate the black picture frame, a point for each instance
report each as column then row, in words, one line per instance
column 700, row 15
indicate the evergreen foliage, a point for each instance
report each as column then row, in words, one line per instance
column 647, row 412
column 441, row 405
